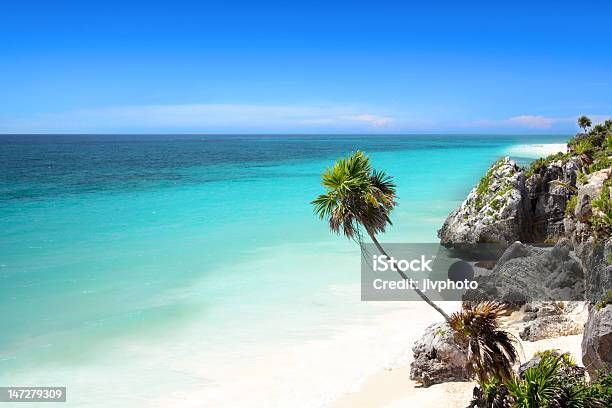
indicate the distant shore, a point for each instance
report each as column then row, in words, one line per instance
column 536, row 151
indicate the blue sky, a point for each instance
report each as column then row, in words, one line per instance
column 260, row 66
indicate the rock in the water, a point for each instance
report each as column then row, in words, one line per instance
column 438, row 358
column 597, row 340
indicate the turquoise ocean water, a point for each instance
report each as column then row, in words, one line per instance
column 121, row 254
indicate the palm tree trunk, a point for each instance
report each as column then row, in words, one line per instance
column 403, row 275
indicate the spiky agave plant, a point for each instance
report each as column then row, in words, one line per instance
column 553, row 383
column 358, row 196
column 540, row 386
column 491, row 351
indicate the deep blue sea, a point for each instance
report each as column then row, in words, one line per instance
column 156, row 263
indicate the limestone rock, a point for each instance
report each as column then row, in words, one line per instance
column 438, row 358
column 595, row 256
column 546, row 327
column 597, row 340
column 588, row 191
column 544, row 201
column 506, row 206
column 526, row 273
column 491, row 211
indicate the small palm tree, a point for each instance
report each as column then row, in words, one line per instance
column 358, row 196
column 491, row 351
column 584, row 122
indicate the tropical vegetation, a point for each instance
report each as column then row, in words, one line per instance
column 554, row 381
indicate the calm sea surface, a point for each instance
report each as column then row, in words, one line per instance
column 115, row 249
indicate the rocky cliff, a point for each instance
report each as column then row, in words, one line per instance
column 492, row 211
column 564, row 198
column 509, row 204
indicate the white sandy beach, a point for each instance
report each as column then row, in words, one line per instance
column 392, row 388
column 318, row 372
column 535, row 151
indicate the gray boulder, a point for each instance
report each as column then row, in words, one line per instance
column 438, row 357
column 597, row 340
column 545, row 327
column 526, row 273
column 595, row 256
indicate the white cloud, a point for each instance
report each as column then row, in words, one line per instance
column 371, row 119
column 247, row 118
column 203, row 118
column 522, row 122
column 533, row 121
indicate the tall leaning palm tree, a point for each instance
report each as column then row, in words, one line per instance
column 359, row 197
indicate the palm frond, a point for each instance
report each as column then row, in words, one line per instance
column 491, row 351
column 356, row 196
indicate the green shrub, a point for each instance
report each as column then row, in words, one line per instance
column 602, row 202
column 540, row 386
column 583, row 146
column 605, row 300
column 539, row 164
column 485, row 183
column 603, row 163
column 570, row 206
column 553, row 383
column 566, row 358
column 597, row 137
column 600, row 389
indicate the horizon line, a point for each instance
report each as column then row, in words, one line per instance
column 275, row 133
